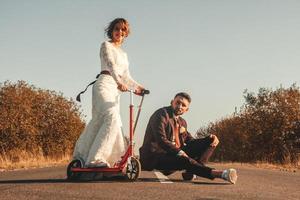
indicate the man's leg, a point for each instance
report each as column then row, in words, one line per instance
column 207, row 154
column 199, row 149
column 171, row 163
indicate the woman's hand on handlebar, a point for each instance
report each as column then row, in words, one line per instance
column 122, row 87
column 139, row 90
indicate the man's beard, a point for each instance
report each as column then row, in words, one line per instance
column 177, row 112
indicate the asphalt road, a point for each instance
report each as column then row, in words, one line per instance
column 50, row 183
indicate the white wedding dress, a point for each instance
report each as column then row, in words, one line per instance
column 102, row 139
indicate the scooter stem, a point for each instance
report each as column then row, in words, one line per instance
column 131, row 124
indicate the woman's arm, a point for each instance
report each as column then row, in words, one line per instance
column 128, row 80
column 107, row 57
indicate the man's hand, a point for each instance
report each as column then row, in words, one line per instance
column 122, row 87
column 215, row 141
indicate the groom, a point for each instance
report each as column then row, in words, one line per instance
column 168, row 146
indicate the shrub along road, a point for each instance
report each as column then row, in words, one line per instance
column 50, row 183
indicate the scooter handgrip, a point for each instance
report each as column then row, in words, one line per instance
column 146, row 92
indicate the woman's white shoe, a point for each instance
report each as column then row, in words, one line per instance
column 97, row 164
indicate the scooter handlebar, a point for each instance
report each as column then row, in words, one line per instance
column 142, row 93
column 145, row 92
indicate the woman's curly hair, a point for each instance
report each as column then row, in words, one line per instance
column 112, row 24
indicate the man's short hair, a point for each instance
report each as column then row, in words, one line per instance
column 184, row 95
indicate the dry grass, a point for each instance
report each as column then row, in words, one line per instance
column 28, row 161
column 265, row 165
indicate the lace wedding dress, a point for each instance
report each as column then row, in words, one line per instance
column 102, row 139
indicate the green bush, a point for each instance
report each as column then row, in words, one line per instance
column 36, row 120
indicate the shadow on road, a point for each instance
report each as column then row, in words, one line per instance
column 29, row 181
column 209, row 183
column 104, row 180
column 181, row 181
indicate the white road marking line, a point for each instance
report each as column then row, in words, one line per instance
column 162, row 178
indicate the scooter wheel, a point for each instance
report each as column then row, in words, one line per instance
column 133, row 169
column 187, row 176
column 73, row 175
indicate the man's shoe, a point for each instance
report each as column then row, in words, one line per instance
column 188, row 176
column 230, row 175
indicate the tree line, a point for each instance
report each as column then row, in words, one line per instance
column 36, row 121
column 266, row 128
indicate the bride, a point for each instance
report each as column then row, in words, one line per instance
column 101, row 143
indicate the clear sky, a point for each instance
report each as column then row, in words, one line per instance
column 212, row 49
